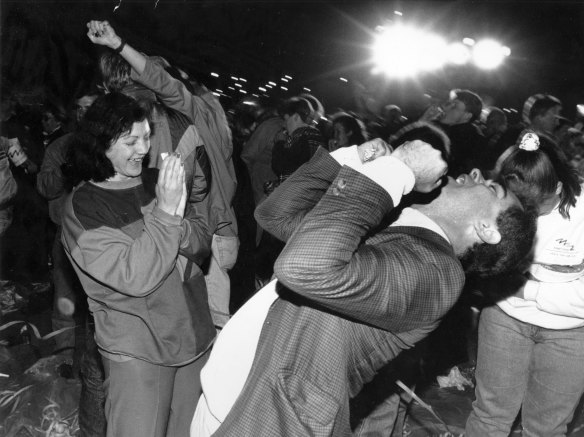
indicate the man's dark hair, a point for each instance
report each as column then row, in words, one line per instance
column 353, row 125
column 58, row 111
column 297, row 105
column 115, row 71
column 472, row 102
column 517, row 227
column 109, row 117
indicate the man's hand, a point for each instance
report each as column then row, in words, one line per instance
column 102, row 33
column 433, row 113
column 425, row 162
column 373, row 149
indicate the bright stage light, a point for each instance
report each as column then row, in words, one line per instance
column 458, row 53
column 402, row 51
column 488, row 54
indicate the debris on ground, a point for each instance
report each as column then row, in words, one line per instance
column 454, row 379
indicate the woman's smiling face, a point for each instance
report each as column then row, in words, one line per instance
column 129, row 150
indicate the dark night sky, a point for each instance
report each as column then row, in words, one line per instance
column 313, row 41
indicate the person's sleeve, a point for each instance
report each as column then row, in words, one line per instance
column 283, row 210
column 385, row 171
column 8, row 186
column 172, row 92
column 50, row 180
column 135, row 267
column 562, row 299
column 197, row 237
column 387, row 284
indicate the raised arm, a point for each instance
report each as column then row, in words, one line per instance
column 283, row 210
column 378, row 282
column 102, row 33
column 171, row 91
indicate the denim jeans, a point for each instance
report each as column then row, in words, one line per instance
column 522, row 366
column 92, row 400
column 223, row 256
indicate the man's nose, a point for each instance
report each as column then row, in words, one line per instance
column 477, row 176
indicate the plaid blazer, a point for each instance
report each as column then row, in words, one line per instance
column 353, row 293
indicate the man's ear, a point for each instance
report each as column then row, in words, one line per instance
column 488, row 232
column 559, row 188
column 466, row 117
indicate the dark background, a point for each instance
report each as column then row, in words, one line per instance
column 315, row 42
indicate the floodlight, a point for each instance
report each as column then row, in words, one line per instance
column 488, row 54
column 458, row 53
column 402, row 51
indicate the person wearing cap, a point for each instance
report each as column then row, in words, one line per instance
column 457, row 118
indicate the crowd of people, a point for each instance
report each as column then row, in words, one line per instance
column 366, row 232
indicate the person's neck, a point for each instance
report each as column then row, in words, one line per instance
column 454, row 230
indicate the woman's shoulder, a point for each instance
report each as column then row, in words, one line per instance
column 96, row 205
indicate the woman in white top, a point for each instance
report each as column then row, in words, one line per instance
column 531, row 344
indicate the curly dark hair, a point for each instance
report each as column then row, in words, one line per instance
column 517, row 227
column 109, row 117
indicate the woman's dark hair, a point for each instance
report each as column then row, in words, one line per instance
column 423, row 131
column 352, row 125
column 109, row 117
column 533, row 175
